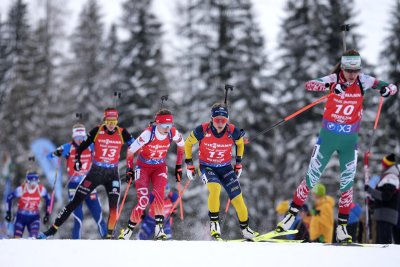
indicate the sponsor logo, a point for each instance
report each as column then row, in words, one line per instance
column 215, row 145
column 115, row 184
column 87, row 183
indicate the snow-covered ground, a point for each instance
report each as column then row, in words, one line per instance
column 113, row 253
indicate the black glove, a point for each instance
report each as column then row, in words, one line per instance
column 178, row 172
column 367, row 188
column 386, row 91
column 8, row 216
column 46, row 218
column 130, row 175
column 337, row 88
column 77, row 164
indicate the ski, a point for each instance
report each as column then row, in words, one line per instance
column 357, row 245
column 265, row 237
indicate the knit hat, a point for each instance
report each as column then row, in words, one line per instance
column 319, row 190
column 388, row 161
column 282, row 207
column 78, row 130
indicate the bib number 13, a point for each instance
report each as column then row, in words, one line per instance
column 109, row 152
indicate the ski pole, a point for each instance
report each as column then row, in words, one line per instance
column 180, row 201
column 366, row 168
column 177, row 201
column 223, row 219
column 291, row 116
column 50, row 209
column 123, row 200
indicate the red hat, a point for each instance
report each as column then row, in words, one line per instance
column 167, row 118
column 388, row 161
column 111, row 114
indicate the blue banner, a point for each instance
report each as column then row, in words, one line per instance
column 41, row 148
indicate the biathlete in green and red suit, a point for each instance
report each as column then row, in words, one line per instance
column 216, row 139
column 108, row 139
column 339, row 132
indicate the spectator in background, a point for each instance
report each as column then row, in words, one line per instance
column 321, row 224
column 354, row 221
column 385, row 197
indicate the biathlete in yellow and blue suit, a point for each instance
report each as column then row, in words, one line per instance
column 216, row 139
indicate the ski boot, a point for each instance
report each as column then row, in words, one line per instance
column 341, row 234
column 215, row 230
column 248, row 233
column 287, row 222
column 127, row 232
column 159, row 230
column 49, row 233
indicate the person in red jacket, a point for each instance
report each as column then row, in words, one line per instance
column 29, row 195
column 339, row 133
column 216, row 140
column 108, row 139
column 151, row 148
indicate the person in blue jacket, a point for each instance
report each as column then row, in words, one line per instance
column 68, row 151
column 148, row 224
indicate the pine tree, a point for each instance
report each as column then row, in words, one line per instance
column 19, row 98
column 84, row 79
column 391, row 68
column 142, row 68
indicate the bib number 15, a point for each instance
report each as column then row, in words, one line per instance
column 218, row 155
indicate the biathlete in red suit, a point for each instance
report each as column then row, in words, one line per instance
column 108, row 139
column 152, row 147
column 29, row 195
column 216, row 139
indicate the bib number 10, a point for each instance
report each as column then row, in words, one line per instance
column 347, row 110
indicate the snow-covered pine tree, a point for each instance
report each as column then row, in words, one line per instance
column 19, row 98
column 83, row 91
column 142, row 80
column 390, row 64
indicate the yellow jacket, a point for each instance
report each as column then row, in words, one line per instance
column 321, row 225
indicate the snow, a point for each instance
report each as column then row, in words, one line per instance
column 60, row 253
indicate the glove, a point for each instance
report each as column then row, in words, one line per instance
column 178, row 172
column 130, row 175
column 386, row 91
column 46, row 218
column 8, row 216
column 337, row 88
column 50, row 155
column 367, row 188
column 190, row 170
column 315, row 212
column 238, row 169
column 77, row 164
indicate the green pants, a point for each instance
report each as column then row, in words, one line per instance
column 346, row 147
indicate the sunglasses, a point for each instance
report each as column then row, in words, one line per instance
column 79, row 138
column 166, row 125
column 351, row 71
column 111, row 121
column 220, row 120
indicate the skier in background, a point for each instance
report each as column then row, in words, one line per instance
column 68, row 151
column 29, row 195
column 148, row 223
column 152, row 146
column 216, row 139
column 108, row 140
column 339, row 132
